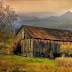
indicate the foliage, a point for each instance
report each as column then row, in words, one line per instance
column 7, row 16
column 64, row 61
column 66, row 49
column 51, row 55
column 4, row 36
column 62, row 55
column 7, row 43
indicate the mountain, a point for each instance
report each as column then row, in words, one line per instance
column 62, row 18
column 59, row 22
column 67, row 15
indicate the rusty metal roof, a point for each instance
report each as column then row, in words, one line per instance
column 47, row 33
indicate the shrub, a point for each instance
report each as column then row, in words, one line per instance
column 62, row 55
column 64, row 61
column 66, row 49
column 51, row 55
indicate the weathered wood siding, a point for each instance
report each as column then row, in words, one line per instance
column 20, row 35
column 43, row 48
column 23, row 34
column 27, row 47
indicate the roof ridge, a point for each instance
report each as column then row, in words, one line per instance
column 47, row 33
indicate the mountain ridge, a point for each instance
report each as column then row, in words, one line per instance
column 59, row 22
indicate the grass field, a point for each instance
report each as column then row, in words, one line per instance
column 14, row 63
column 29, row 61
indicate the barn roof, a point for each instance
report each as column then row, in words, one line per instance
column 47, row 33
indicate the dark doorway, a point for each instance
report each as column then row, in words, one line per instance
column 17, row 51
column 37, row 54
column 42, row 55
column 56, row 55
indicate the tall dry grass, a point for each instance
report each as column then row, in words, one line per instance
column 64, row 61
column 13, row 63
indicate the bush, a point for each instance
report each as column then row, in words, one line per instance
column 66, row 49
column 51, row 55
column 62, row 55
column 64, row 61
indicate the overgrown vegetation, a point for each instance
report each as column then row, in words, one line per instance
column 64, row 61
column 7, row 17
column 66, row 49
column 51, row 55
column 13, row 63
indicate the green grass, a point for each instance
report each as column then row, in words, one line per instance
column 14, row 63
column 29, row 61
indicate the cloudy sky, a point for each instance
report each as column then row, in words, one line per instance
column 40, row 5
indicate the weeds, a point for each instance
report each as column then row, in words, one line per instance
column 64, row 61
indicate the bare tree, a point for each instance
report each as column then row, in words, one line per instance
column 7, row 16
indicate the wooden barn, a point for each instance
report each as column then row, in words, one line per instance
column 38, row 42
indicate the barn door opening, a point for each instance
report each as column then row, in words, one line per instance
column 56, row 55
column 37, row 54
column 17, row 51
